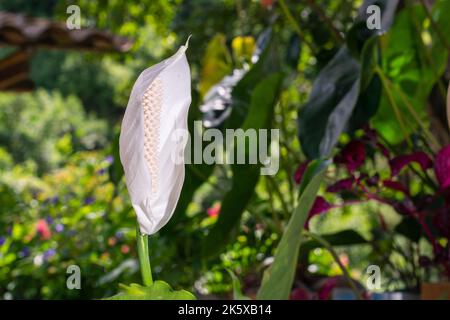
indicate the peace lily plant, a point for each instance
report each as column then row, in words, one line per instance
column 158, row 106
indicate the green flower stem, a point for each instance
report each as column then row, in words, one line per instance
column 144, row 259
column 330, row 249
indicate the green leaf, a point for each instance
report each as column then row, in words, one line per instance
column 216, row 63
column 237, row 292
column 334, row 95
column 278, row 279
column 341, row 238
column 159, row 290
column 410, row 228
column 245, row 176
column 413, row 67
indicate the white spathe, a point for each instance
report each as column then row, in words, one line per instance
column 158, row 105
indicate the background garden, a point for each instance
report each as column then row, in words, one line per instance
column 372, row 102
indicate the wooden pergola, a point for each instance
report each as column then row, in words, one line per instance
column 26, row 34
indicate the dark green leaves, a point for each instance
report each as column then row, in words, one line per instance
column 345, row 94
column 332, row 100
column 277, row 281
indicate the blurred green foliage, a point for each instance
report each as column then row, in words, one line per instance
column 63, row 200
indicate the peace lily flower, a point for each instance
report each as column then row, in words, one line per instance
column 158, row 105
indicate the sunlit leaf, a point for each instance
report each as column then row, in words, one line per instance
column 278, row 279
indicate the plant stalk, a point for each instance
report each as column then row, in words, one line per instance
column 144, row 259
column 330, row 249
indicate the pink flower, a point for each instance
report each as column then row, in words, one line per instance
column 298, row 175
column 442, row 167
column 342, row 185
column 43, row 229
column 398, row 163
column 352, row 156
column 214, row 210
column 320, row 206
column 125, row 249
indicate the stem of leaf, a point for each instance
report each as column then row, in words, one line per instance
column 296, row 26
column 414, row 114
column 144, row 259
column 335, row 31
column 393, row 104
column 435, row 26
column 328, row 246
column 279, row 194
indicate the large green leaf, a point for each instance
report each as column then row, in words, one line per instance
column 159, row 290
column 245, row 176
column 345, row 94
column 278, row 279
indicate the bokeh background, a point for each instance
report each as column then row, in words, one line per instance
column 63, row 199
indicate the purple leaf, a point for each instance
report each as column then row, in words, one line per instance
column 398, row 163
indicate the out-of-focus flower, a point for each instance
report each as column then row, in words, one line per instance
column 342, row 185
column 49, row 253
column 125, row 249
column 442, row 167
column 398, row 163
column 119, row 235
column 352, row 156
column 101, row 171
column 112, row 241
column 89, row 200
column 214, row 210
column 320, row 206
column 49, row 219
column 298, row 175
column 25, row 252
column 2, row 240
column 59, row 227
column 267, row 4
column 109, row 159
column 43, row 229
column 344, row 259
column 151, row 140
column 38, row 260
